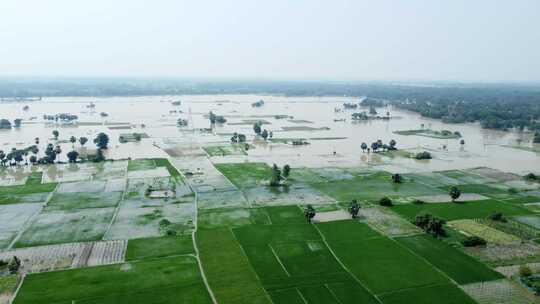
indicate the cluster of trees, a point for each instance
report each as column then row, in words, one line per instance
column 309, row 213
column 423, row 155
column 359, row 116
column 372, row 102
column 279, row 175
column 258, row 104
column 6, row 124
column 13, row 265
column 519, row 110
column 238, row 138
column 52, row 152
column 375, row 146
column 257, row 128
column 430, row 224
column 64, row 117
column 216, row 118
column 182, row 122
column 348, row 105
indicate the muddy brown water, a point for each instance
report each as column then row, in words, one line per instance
column 482, row 147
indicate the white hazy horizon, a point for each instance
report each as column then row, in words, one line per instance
column 456, row 40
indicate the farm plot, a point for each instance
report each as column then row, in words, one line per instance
column 138, row 219
column 465, row 177
column 157, row 172
column 497, row 292
column 287, row 256
column 493, row 174
column 8, row 284
column 164, row 280
column 232, row 217
column 505, row 254
column 530, row 220
column 386, row 221
column 83, row 200
column 513, row 270
column 157, row 247
column 464, row 210
column 244, row 175
column 221, row 199
column 334, row 293
column 442, row 294
column 69, row 255
column 445, row 198
column 12, row 219
column 25, row 193
column 53, row 227
column 68, row 172
column 233, row 281
column 380, row 263
column 491, row 235
column 13, row 176
column 110, row 170
column 460, row 267
column 433, row 179
column 224, row 150
column 202, row 176
column 295, row 194
column 141, row 164
column 373, row 187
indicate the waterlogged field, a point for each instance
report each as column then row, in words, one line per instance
column 186, row 216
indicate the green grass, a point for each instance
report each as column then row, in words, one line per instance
column 440, row 294
column 287, row 296
column 34, row 178
column 227, row 269
column 163, row 162
column 156, row 247
column 165, row 280
column 83, row 200
column 379, row 262
column 457, row 265
column 344, row 230
column 477, row 188
column 286, row 215
column 372, row 187
column 244, row 175
column 232, row 217
column 27, row 189
column 462, row 210
column 141, row 164
column 8, row 284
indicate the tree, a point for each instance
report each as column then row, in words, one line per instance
column 14, row 265
column 275, row 179
column 396, row 178
column 17, row 123
column 497, row 217
column 286, row 171
column 364, row 146
column 57, row 150
column 473, row 241
column 309, row 213
column 354, row 208
column 33, row 159
column 72, row 156
column 3, row 158
column 423, row 155
column 454, row 193
column 73, row 140
column 99, row 156
column 55, row 133
column 430, row 224
column 392, row 145
column 101, row 140
column 264, row 134
column 83, row 140
column 385, row 201
column 536, row 138
column 50, row 154
column 36, row 140
column 257, row 127
column 374, row 146
column 462, row 142
column 525, row 271
column 137, row 136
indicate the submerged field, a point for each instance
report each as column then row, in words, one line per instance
column 197, row 219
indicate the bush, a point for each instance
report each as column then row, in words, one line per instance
column 423, row 155
column 385, row 201
column 531, row 176
column 473, row 241
column 497, row 216
column 418, row 202
column 430, row 224
column 525, row 271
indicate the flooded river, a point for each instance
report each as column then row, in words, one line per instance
column 314, row 119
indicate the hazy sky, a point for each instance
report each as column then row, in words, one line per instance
column 468, row 40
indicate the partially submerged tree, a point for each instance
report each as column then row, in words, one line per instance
column 55, row 133
column 354, row 208
column 286, row 171
column 454, row 193
column 275, row 179
column 101, row 140
column 309, row 213
column 14, row 265
column 257, row 127
column 385, row 201
column 396, row 178
column 83, row 140
column 72, row 156
column 364, row 146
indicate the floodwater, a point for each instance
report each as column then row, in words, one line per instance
column 482, row 147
